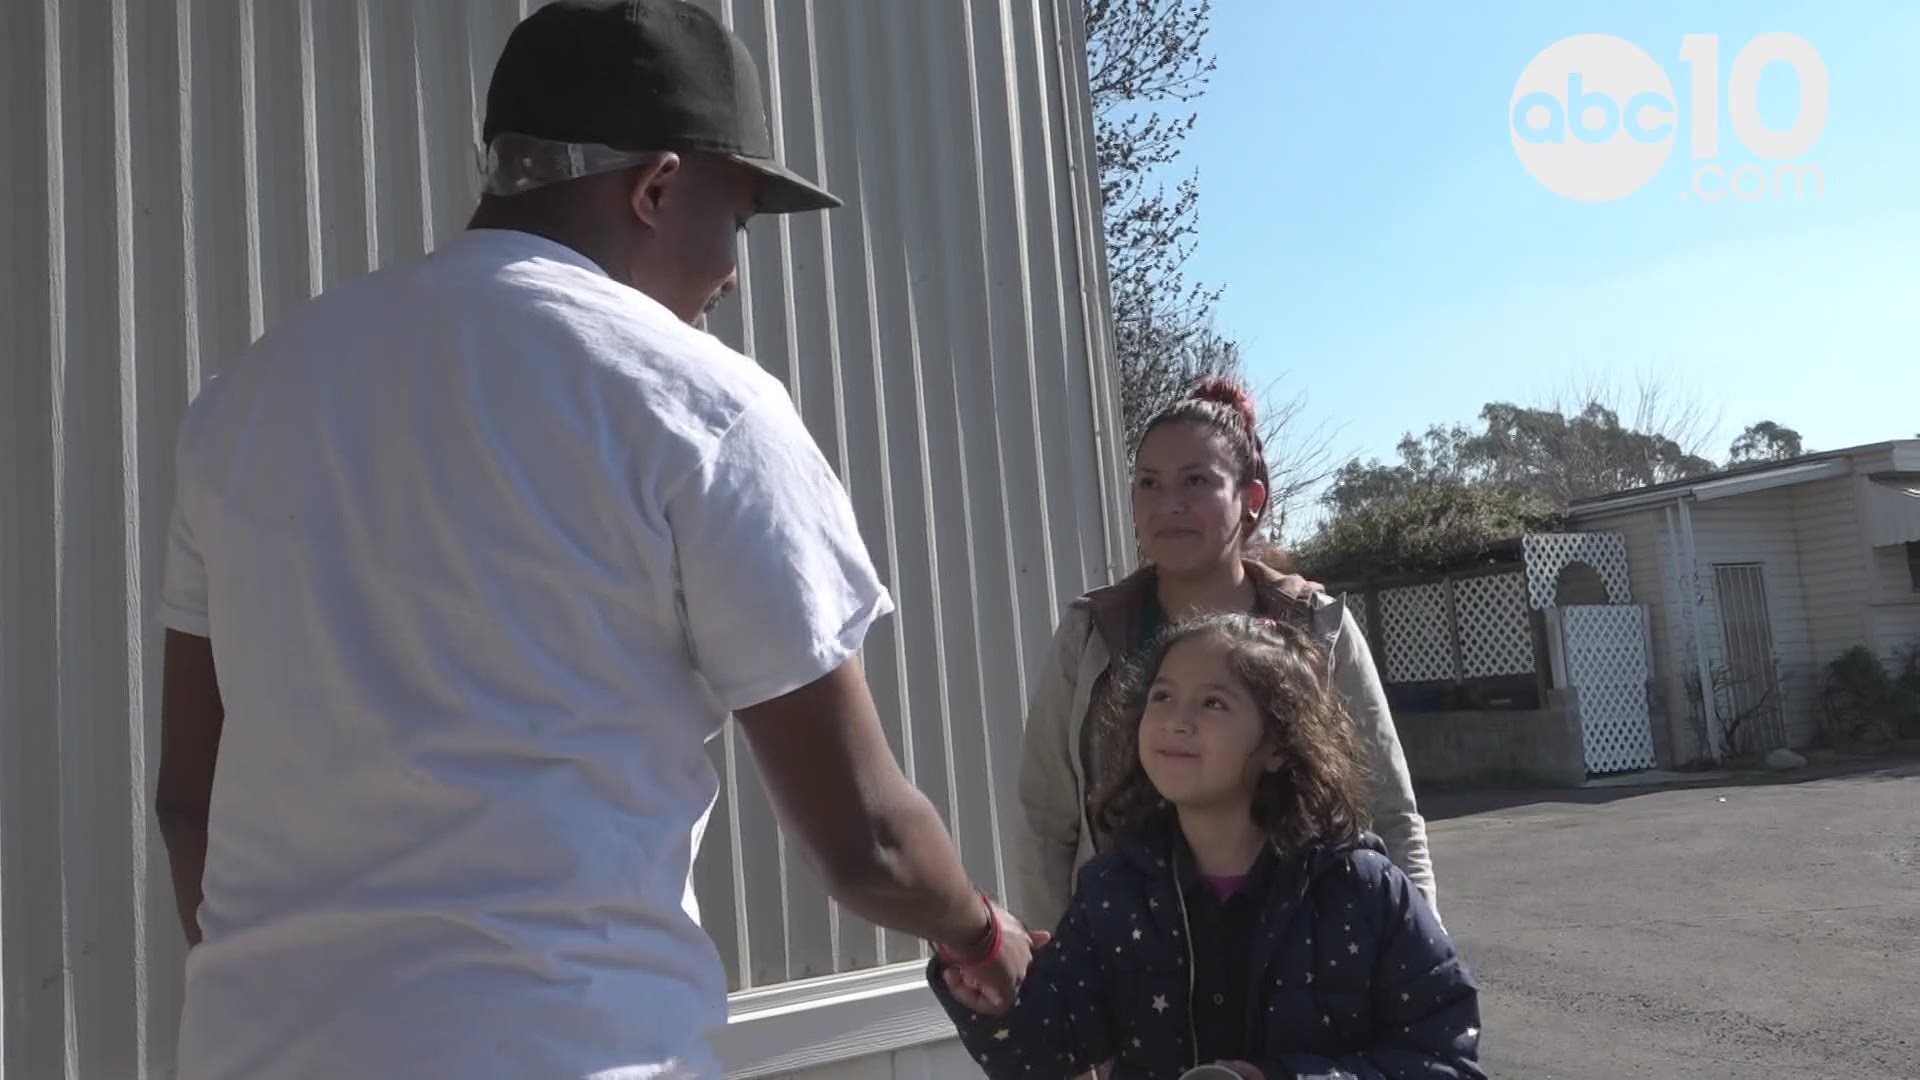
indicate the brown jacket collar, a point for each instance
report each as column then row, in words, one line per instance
column 1117, row 609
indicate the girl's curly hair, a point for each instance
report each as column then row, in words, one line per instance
column 1318, row 791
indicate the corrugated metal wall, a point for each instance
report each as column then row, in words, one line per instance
column 179, row 173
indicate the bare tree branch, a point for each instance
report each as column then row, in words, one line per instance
column 1300, row 457
column 1144, row 55
column 1736, row 725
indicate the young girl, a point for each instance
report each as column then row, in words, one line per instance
column 1242, row 916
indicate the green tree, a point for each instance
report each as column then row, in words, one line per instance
column 1430, row 526
column 1566, row 457
column 1765, row 441
column 1458, row 490
column 1555, row 456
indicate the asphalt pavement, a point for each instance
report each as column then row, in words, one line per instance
column 1760, row 928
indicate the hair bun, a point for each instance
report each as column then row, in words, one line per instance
column 1232, row 394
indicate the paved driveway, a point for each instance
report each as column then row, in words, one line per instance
column 1748, row 931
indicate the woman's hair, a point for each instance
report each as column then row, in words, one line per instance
column 1317, row 793
column 1223, row 407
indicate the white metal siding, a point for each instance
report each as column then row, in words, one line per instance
column 1833, row 563
column 1856, row 593
column 939, row 1061
column 1893, row 605
column 181, row 173
column 1896, row 630
column 1894, row 608
column 1759, row 528
column 1893, row 516
column 1890, row 581
column 1888, row 517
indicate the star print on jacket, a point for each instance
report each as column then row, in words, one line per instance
column 1383, row 997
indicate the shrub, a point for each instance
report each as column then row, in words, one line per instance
column 1863, row 700
column 1432, row 527
column 1906, row 685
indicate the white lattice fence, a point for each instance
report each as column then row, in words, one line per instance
column 1606, row 651
column 1547, row 554
column 1413, row 624
column 1357, row 603
column 1496, row 636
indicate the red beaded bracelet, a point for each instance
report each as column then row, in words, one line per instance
column 951, row 958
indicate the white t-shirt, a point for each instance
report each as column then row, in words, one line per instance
column 488, row 547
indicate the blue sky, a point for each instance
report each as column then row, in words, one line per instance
column 1386, row 254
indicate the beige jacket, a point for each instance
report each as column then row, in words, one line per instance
column 1058, row 838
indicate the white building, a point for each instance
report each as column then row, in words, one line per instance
column 1756, row 578
column 181, row 174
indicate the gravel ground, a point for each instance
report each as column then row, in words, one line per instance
column 1760, row 928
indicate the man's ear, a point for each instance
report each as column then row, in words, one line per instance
column 650, row 185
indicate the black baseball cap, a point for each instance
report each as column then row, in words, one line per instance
column 641, row 75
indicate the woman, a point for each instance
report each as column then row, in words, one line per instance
column 1199, row 493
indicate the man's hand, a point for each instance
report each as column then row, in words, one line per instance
column 989, row 988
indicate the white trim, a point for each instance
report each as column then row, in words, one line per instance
column 822, row 1021
column 1804, row 473
column 1710, row 488
column 1698, row 600
column 1905, row 456
column 1626, row 504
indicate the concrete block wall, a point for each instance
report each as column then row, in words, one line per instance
column 1497, row 746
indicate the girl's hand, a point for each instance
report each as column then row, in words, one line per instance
column 971, row 988
column 968, row 992
column 1246, row 1070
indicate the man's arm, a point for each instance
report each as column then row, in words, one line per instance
column 191, row 716
column 777, row 592
column 877, row 841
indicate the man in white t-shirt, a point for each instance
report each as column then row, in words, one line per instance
column 469, row 559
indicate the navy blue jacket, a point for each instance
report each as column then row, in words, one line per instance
column 1351, row 976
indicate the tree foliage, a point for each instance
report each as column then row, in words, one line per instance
column 1868, row 697
column 1765, row 441
column 1457, row 490
column 1541, row 451
column 1431, row 526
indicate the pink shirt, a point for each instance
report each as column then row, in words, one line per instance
column 1225, row 885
